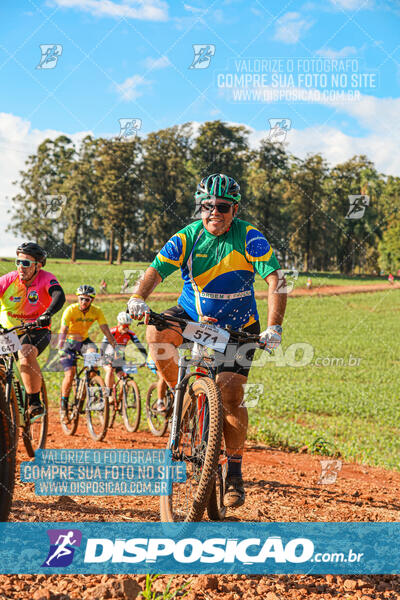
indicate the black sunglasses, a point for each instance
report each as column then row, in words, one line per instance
column 223, row 208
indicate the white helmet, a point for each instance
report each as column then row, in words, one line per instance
column 124, row 318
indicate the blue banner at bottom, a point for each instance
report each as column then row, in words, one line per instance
column 251, row 548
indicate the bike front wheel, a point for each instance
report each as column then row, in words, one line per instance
column 216, row 509
column 131, row 405
column 35, row 432
column 199, row 447
column 70, row 417
column 157, row 421
column 97, row 408
column 7, row 457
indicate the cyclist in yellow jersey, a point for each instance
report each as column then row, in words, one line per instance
column 76, row 321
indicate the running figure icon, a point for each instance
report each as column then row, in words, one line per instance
column 62, row 549
column 63, row 543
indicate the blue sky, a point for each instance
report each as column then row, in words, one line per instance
column 131, row 59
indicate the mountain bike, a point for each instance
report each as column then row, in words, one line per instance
column 197, row 421
column 89, row 386
column 33, row 429
column 156, row 419
column 7, row 456
column 126, row 399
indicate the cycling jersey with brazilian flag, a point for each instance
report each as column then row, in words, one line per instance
column 79, row 323
column 218, row 271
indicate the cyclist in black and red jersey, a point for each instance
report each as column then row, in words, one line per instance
column 123, row 335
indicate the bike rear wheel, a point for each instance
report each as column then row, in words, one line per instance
column 69, row 420
column 199, row 446
column 7, row 457
column 97, row 408
column 35, row 433
column 157, row 421
column 131, row 405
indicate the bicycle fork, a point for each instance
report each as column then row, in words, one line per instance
column 178, row 402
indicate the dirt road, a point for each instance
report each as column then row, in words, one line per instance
column 324, row 290
column 280, row 486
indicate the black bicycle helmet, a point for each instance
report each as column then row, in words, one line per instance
column 220, row 186
column 86, row 290
column 34, row 250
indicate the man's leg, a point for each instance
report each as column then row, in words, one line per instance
column 161, row 391
column 109, row 378
column 235, row 432
column 31, row 377
column 69, row 374
column 163, row 350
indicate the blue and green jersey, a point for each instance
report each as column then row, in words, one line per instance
column 218, row 271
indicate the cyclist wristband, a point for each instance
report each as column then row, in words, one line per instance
column 277, row 328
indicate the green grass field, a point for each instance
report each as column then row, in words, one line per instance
column 92, row 272
column 354, row 408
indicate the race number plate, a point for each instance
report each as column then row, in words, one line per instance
column 9, row 342
column 130, row 369
column 207, row 335
column 91, row 359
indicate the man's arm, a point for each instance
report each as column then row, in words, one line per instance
column 61, row 336
column 276, row 299
column 111, row 339
column 137, row 306
column 139, row 345
column 57, row 300
column 146, row 284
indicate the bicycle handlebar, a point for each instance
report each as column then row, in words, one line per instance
column 4, row 330
column 162, row 319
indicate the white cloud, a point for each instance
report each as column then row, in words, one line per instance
column 147, row 10
column 337, row 147
column 377, row 115
column 128, row 90
column 157, row 63
column 291, row 27
column 352, row 4
column 17, row 141
column 193, row 9
column 343, row 53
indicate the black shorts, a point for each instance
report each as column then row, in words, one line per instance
column 40, row 338
column 237, row 357
column 72, row 348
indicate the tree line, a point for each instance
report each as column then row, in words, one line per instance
column 121, row 199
